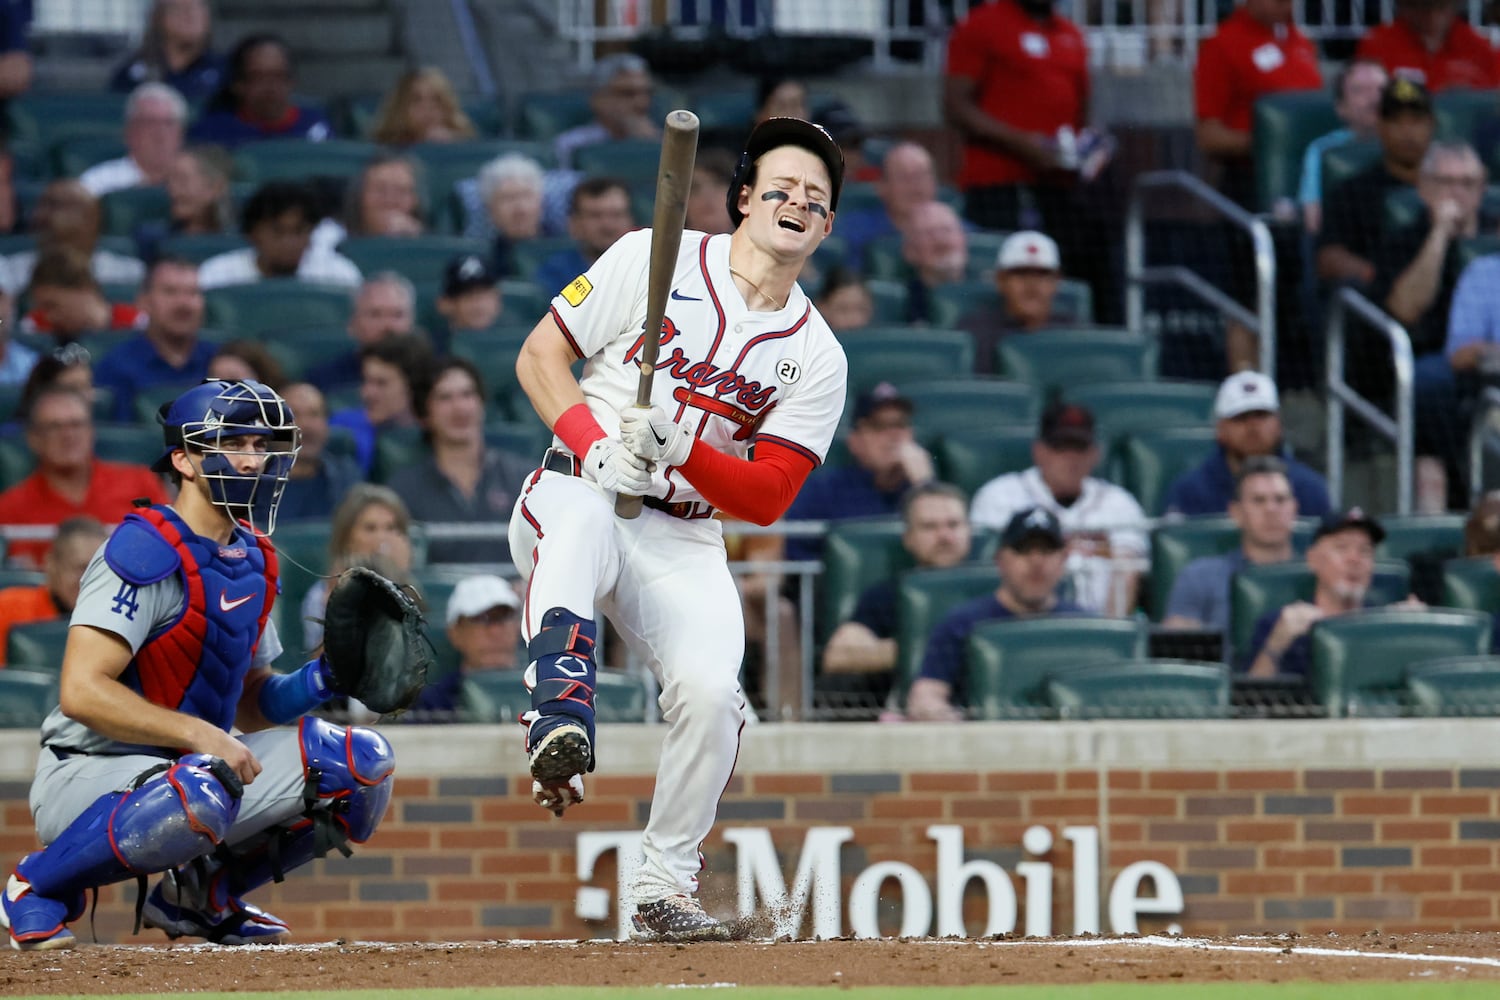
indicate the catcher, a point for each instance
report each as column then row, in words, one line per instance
column 168, row 650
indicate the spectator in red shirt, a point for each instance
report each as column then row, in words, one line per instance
column 78, row 538
column 1426, row 42
column 1017, row 91
column 67, row 302
column 1256, row 51
column 70, row 480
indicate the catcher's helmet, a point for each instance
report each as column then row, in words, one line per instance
column 774, row 132
column 216, row 411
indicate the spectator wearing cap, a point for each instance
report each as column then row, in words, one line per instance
column 1247, row 423
column 483, row 621
column 1354, row 209
column 1032, row 560
column 1028, row 274
column 1265, row 511
column 908, row 179
column 887, row 462
column 1356, row 100
column 1428, row 42
column 936, row 535
column 1255, row 51
column 620, row 98
column 470, row 299
column 1342, row 560
column 1102, row 521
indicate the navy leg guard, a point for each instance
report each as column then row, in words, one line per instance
column 561, row 676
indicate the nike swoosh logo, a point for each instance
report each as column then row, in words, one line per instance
column 660, row 441
column 685, row 298
column 231, row 605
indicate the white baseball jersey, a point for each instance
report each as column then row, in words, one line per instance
column 1098, row 519
column 742, row 375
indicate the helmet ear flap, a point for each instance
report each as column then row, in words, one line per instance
column 739, row 180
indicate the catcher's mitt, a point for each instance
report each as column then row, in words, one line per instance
column 374, row 640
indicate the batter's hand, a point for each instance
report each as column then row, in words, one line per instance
column 610, row 464
column 654, row 436
column 557, row 798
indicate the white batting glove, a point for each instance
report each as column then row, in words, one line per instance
column 654, row 436
column 610, row 464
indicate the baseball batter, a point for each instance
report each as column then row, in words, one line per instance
column 748, row 390
column 168, row 648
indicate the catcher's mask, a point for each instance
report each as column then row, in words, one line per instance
column 218, row 411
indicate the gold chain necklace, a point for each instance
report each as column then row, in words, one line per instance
column 758, row 291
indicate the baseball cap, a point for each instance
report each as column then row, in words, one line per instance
column 1336, row 521
column 475, row 595
column 884, row 394
column 775, row 132
column 1246, row 392
column 1029, row 249
column 1033, row 522
column 465, row 273
column 1402, row 93
column 1067, row 425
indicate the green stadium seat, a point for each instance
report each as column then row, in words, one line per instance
column 904, row 354
column 1175, row 544
column 1007, row 662
column 494, row 352
column 26, row 699
column 1471, row 583
column 1359, row 660
column 628, row 159
column 74, row 154
column 1460, row 112
column 889, row 299
column 487, row 115
column 18, row 576
column 396, row 448
column 16, row 461
column 275, row 304
column 857, row 554
column 858, row 196
column 1075, row 300
column 947, row 304
column 29, row 160
column 444, row 164
column 728, row 109
column 523, row 303
column 1122, row 408
column 1457, row 685
column 525, row 438
column 1283, row 126
column 924, row 597
column 984, row 254
column 529, row 255
column 1436, row 536
column 201, row 246
column 831, row 253
column 498, row 696
column 47, row 117
column 972, row 458
column 544, row 115
column 140, row 442
column 1478, row 246
column 1057, row 360
column 1342, row 162
column 1256, row 590
column 124, row 210
column 299, row 350
column 305, row 546
column 37, row 646
column 297, row 159
column 883, row 259
column 961, row 405
column 1148, row 461
column 1141, row 689
column 420, row 259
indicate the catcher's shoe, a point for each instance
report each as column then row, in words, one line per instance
column 171, row 909
column 36, row 922
column 677, row 918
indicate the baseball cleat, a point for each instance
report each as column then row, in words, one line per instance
column 238, row 922
column 35, row 922
column 561, row 754
column 677, row 918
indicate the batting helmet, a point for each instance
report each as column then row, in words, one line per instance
column 774, row 132
column 207, row 415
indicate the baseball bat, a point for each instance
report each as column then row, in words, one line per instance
column 674, row 175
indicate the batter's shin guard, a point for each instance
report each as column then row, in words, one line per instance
column 561, row 676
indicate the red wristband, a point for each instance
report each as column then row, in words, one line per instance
column 578, row 429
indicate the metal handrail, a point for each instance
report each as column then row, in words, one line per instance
column 1489, row 402
column 1137, row 275
column 1341, row 395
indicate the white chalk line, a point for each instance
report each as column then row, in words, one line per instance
column 1164, row 941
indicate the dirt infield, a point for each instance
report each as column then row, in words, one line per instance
column 366, row 966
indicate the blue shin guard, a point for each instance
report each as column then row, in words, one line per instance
column 561, row 677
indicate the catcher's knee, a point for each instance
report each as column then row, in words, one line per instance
column 179, row 816
column 352, row 765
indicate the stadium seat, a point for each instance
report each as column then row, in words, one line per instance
column 904, row 354
column 123, row 210
column 1075, row 300
column 1176, row 543
column 486, row 113
column 961, row 405
column 1007, row 662
column 1460, row 111
column 494, row 352
column 972, row 458
column 26, row 698
column 523, row 303
column 1478, row 246
column 47, row 117
column 1359, row 660
column 830, row 254
column 1058, row 360
column 1256, row 590
column 304, row 548
column 396, row 448
column 1141, row 689
column 29, row 160
column 16, row 461
column 1436, row 536
column 1282, row 127
column 730, row 109
column 883, row 259
column 301, row 349
column 420, row 259
column 1342, row 162
column 924, row 597
column 18, row 576
column 1471, row 583
column 201, row 246
column 889, row 299
column 297, row 159
column 857, row 554
column 628, row 159
column 1122, row 408
column 444, row 164
column 275, row 304
column 498, row 696
column 138, row 442
column 858, row 196
column 524, row 438
column 984, row 254
column 1148, row 461
column 543, row 115
column 947, row 304
column 74, row 154
column 529, row 255
column 1456, row 685
column 36, row 646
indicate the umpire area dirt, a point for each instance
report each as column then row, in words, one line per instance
column 106, row 969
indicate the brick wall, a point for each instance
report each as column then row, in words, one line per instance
column 1283, row 848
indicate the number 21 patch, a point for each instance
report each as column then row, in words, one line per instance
column 577, row 290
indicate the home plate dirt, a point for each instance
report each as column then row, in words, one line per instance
column 105, row 969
